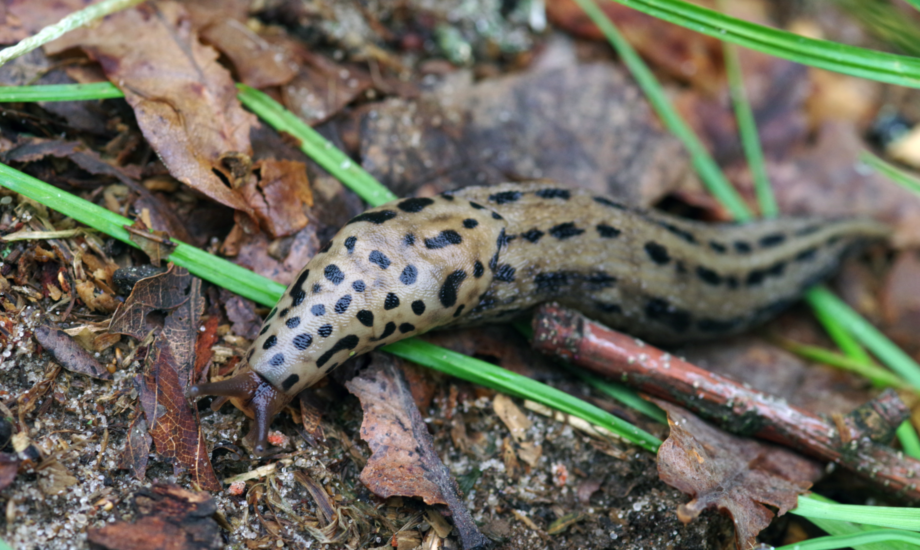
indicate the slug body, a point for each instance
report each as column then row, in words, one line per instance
column 485, row 254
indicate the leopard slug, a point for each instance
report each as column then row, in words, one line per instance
column 485, row 254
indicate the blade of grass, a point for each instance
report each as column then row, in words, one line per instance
column 485, row 374
column 316, row 146
column 217, row 270
column 874, row 65
column 910, row 442
column 624, row 395
column 897, row 175
column 868, row 335
column 747, row 129
column 703, row 163
column 69, row 23
column 60, row 92
column 841, row 527
column 879, row 516
column 846, row 541
column 877, row 375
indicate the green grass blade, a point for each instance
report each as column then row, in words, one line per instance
column 910, row 442
column 874, row 65
column 211, row 268
column 882, row 347
column 69, row 23
column 879, row 516
column 747, row 129
column 60, row 92
column 877, row 375
column 316, row 146
column 897, row 175
column 846, row 541
column 705, row 166
column 485, row 374
column 840, row 527
column 624, row 395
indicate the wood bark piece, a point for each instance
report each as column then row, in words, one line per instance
column 851, row 441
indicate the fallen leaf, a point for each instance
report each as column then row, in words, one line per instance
column 404, row 462
column 737, row 475
column 512, row 127
column 901, row 300
column 137, row 448
column 260, row 63
column 168, row 517
column 242, row 313
column 322, row 88
column 53, row 477
column 69, row 353
column 165, row 291
column 173, row 423
column 279, row 196
column 22, row 18
column 184, row 101
column 9, row 466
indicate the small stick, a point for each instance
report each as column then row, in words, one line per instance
column 855, row 441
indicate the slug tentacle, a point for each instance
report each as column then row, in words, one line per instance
column 485, row 254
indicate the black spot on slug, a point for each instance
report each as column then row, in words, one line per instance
column 565, row 231
column 418, row 307
column 289, row 382
column 448, row 293
column 663, row 312
column 379, row 258
column 409, row 275
column 478, row 269
column 476, row 205
column 505, row 197
column 806, row 255
column 504, row 273
column 293, row 322
column 391, row 301
column 679, row 232
column 459, row 310
column 350, row 244
column 389, row 329
column 366, row 317
column 318, row 310
column 377, row 218
column 325, row 331
column 551, row 281
column 277, row 360
column 708, row 276
column 265, row 328
column 297, row 292
column 409, row 239
column 532, row 235
column 342, row 305
column 358, row 286
column 755, row 277
column 610, row 203
column 302, row 341
column 270, row 342
column 284, row 312
column 496, row 216
column 444, row 238
column 742, row 247
column 600, row 279
column 658, row 253
column 470, row 223
column 774, row 239
column 348, row 342
column 406, row 327
column 414, row 205
column 608, row 308
column 680, row 268
column 317, row 287
column 502, row 240
column 731, row 281
column 718, row 325
column 607, row 231
column 563, row 194
column 334, row 274
column 807, row 230
column 448, row 195
column 718, row 247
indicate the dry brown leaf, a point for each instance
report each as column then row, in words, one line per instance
column 173, row 423
column 69, row 353
column 95, row 300
column 22, row 18
column 137, row 448
column 168, row 517
column 165, row 291
column 54, row 477
column 280, row 196
column 258, row 62
column 737, row 475
column 9, row 465
column 901, row 300
column 185, row 102
column 404, row 462
column 322, row 87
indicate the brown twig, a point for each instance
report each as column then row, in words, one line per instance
column 855, row 441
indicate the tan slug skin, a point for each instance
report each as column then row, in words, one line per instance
column 485, row 254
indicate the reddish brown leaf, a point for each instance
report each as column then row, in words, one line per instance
column 404, row 461
column 242, row 313
column 206, row 340
column 165, row 291
column 172, row 422
column 258, row 62
column 736, row 475
column 185, row 102
column 322, row 87
column 901, row 300
column 69, row 353
column 22, row 18
column 9, row 465
column 168, row 517
column 280, row 196
column 137, row 447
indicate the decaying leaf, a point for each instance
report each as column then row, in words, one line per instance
column 737, row 475
column 168, row 517
column 9, row 465
column 279, row 196
column 173, row 423
column 69, row 353
column 54, row 477
column 137, row 448
column 165, row 291
column 404, row 461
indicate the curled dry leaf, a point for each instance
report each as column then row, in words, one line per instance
column 69, row 353
column 185, row 102
column 737, row 475
column 9, row 465
column 53, row 477
column 167, row 517
column 404, row 462
column 161, row 292
column 279, row 196
column 137, row 448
